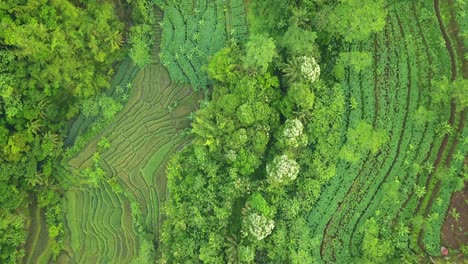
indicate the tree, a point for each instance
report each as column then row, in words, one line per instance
column 292, row 134
column 141, row 41
column 260, row 51
column 292, row 70
column 259, row 226
column 282, row 170
column 300, row 17
column 302, row 96
column 374, row 248
column 53, row 55
column 356, row 60
column 354, row 19
column 303, row 68
column 299, row 42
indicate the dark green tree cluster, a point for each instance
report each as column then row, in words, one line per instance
column 141, row 36
column 53, row 55
column 217, row 171
column 237, row 192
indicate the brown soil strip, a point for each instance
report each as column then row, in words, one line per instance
column 454, row 230
column 376, row 81
column 355, row 184
column 429, row 78
column 324, row 236
column 448, row 44
column 454, row 31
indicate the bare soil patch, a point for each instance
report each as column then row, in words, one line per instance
column 454, row 231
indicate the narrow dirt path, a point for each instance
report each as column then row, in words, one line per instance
column 448, row 44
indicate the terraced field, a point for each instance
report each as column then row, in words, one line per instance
column 405, row 178
column 99, row 225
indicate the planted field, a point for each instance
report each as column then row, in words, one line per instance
column 99, row 217
column 194, row 31
column 235, row 131
column 398, row 192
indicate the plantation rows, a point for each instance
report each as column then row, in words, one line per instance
column 105, row 219
column 194, row 31
column 393, row 184
column 236, row 25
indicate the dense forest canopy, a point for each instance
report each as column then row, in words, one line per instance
column 312, row 131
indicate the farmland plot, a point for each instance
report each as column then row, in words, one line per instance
column 195, row 30
column 392, row 193
column 100, row 227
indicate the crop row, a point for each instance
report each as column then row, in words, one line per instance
column 238, row 25
column 190, row 36
column 369, row 181
column 396, row 97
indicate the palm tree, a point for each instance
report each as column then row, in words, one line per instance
column 292, row 70
column 34, row 127
column 232, row 249
column 115, row 40
column 300, row 17
column 41, row 106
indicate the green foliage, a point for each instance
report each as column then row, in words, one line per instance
column 375, row 249
column 141, row 35
column 281, row 169
column 299, row 42
column 225, row 143
column 192, row 32
column 356, row 60
column 363, row 138
column 260, row 51
column 258, row 203
column 141, row 41
column 275, row 23
column 354, row 19
column 53, row 56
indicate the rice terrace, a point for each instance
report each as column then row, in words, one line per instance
column 233, row 131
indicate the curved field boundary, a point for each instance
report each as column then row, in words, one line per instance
column 144, row 135
column 37, row 241
column 383, row 186
column 349, row 202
